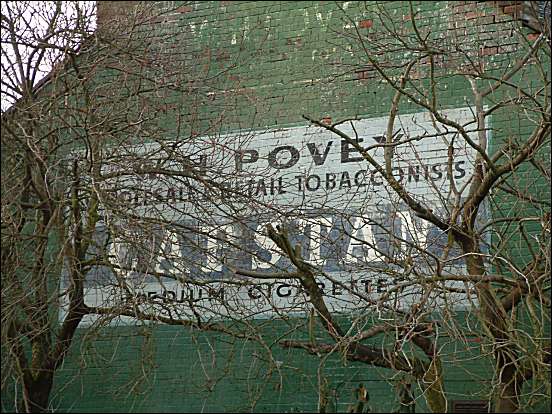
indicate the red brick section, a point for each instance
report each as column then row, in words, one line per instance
column 514, row 9
column 487, row 51
column 474, row 14
column 294, row 41
column 184, row 9
column 327, row 120
column 365, row 24
column 362, row 74
column 107, row 11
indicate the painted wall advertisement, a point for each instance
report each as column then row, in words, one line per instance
column 367, row 247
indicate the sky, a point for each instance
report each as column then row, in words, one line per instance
column 30, row 21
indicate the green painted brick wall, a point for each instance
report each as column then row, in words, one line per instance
column 168, row 369
column 280, row 60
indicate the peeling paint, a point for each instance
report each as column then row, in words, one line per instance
column 323, row 19
column 245, row 27
column 202, row 25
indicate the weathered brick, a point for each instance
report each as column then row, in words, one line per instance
column 365, row 24
column 486, row 51
column 184, row 9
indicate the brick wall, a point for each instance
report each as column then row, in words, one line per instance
column 270, row 63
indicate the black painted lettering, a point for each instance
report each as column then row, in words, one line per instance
column 216, row 293
column 426, row 171
column 125, row 196
column 283, row 294
column 157, row 195
column 241, row 158
column 315, row 153
column 281, row 186
column 273, row 159
column 401, row 173
column 299, row 182
column 347, row 149
column 360, row 178
column 457, row 167
column 345, row 180
column 253, row 292
column 321, row 287
column 261, row 187
column 250, row 186
column 436, row 169
column 330, row 181
column 171, row 194
column 413, row 173
column 366, row 284
column 312, row 182
column 373, row 179
column 169, row 296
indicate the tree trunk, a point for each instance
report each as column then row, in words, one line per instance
column 36, row 395
column 432, row 383
column 507, row 399
column 494, row 318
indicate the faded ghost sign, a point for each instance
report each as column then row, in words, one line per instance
column 350, row 224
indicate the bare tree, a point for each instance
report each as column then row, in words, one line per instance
column 35, row 37
column 494, row 220
column 99, row 116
